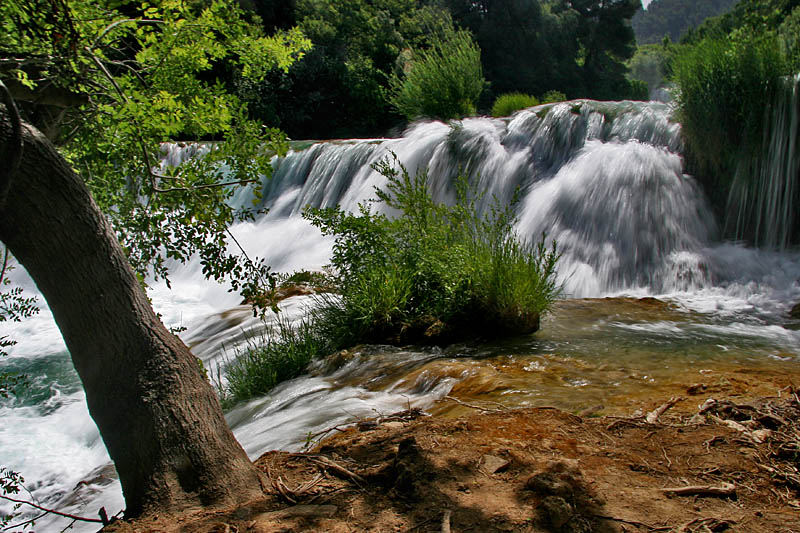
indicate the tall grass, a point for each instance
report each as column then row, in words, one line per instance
column 282, row 353
column 724, row 87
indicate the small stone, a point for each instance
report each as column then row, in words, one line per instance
column 393, row 425
column 697, row 388
column 493, row 464
column 760, row 435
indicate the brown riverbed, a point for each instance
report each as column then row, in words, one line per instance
column 490, row 468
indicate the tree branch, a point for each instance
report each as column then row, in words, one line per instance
column 12, row 151
column 59, row 513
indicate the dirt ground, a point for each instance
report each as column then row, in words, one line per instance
column 708, row 458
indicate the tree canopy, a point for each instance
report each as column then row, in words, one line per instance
column 673, row 18
column 131, row 76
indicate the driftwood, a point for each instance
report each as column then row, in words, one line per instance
column 652, row 416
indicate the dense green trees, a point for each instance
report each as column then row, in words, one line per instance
column 576, row 47
column 673, row 18
column 342, row 87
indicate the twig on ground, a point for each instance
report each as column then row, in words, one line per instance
column 473, row 406
column 337, row 468
column 726, row 489
column 446, row 521
column 652, row 416
column 633, row 523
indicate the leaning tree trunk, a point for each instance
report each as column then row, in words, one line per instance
column 157, row 414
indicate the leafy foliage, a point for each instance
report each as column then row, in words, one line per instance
column 507, row 104
column 146, row 75
column 339, row 89
column 533, row 46
column 443, row 81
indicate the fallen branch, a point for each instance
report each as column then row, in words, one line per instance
column 472, row 406
column 652, row 416
column 707, row 524
column 726, row 489
column 324, row 461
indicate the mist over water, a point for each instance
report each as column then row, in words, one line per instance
column 604, row 180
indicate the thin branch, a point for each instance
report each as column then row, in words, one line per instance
column 12, row 152
column 25, row 523
column 197, row 187
column 51, row 511
column 117, row 23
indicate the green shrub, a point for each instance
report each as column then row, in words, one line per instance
column 441, row 82
column 435, row 273
column 509, row 103
column 552, row 97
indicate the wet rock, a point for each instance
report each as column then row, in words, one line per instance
column 795, row 312
column 697, row 388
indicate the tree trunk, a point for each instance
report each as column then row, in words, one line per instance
column 159, row 418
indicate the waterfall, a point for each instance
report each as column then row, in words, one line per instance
column 765, row 195
column 602, row 179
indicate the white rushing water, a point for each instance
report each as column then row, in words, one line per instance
column 605, row 180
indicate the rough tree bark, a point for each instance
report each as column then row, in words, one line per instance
column 157, row 414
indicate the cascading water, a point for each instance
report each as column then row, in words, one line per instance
column 604, row 180
column 765, row 196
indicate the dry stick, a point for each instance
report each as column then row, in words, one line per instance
column 324, row 461
column 59, row 513
column 634, row 523
column 472, row 406
column 446, row 521
column 652, row 416
column 726, row 489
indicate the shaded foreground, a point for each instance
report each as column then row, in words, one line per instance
column 487, row 468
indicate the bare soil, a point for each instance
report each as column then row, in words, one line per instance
column 731, row 455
